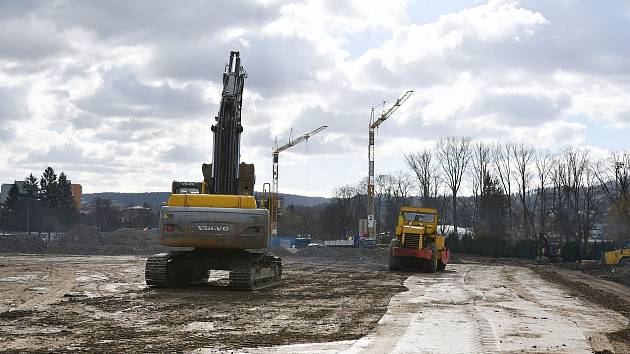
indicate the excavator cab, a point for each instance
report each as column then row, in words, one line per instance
column 188, row 187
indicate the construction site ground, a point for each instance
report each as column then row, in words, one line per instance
column 330, row 300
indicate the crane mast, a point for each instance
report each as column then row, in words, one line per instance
column 374, row 124
column 273, row 204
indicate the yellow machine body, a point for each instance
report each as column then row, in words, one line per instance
column 212, row 201
column 417, row 237
column 214, row 221
column 618, row 257
column 419, row 228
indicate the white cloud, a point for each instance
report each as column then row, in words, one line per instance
column 125, row 92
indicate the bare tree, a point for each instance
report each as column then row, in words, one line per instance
column 523, row 156
column 454, row 154
column 385, row 187
column 575, row 162
column 613, row 176
column 543, row 168
column 404, row 186
column 423, row 166
column 590, row 202
column 480, row 166
column 502, row 163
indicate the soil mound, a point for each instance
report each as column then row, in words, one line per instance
column 22, row 243
column 86, row 240
column 619, row 274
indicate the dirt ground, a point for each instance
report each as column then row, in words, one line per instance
column 98, row 303
column 612, row 296
column 330, row 300
column 618, row 274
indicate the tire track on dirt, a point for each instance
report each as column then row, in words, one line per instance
column 61, row 284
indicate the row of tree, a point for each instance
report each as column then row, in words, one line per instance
column 38, row 205
column 104, row 215
column 48, row 205
column 513, row 192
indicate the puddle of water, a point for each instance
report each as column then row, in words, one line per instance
column 199, row 327
column 39, row 290
column 23, row 278
column 90, row 278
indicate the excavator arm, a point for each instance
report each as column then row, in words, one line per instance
column 226, row 175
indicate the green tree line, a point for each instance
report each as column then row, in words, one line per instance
column 44, row 204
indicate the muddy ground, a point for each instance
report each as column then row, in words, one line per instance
column 596, row 291
column 96, row 303
column 100, row 303
column 618, row 274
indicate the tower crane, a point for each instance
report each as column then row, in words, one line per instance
column 374, row 124
column 273, row 204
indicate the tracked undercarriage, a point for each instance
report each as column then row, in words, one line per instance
column 248, row 270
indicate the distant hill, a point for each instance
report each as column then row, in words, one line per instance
column 303, row 200
column 155, row 199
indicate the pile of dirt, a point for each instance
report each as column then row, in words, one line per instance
column 619, row 274
column 83, row 239
column 283, row 252
column 22, row 243
column 86, row 240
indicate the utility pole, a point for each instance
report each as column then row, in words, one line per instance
column 374, row 124
column 273, row 205
column 28, row 215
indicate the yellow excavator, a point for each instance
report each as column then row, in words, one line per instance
column 218, row 217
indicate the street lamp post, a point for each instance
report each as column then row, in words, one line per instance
column 4, row 218
column 28, row 218
column 28, row 215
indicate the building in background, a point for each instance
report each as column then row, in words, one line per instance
column 137, row 216
column 77, row 191
column 6, row 187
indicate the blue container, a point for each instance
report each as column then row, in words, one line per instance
column 367, row 243
column 302, row 242
column 283, row 241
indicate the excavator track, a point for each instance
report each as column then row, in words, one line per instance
column 257, row 271
column 156, row 270
column 248, row 270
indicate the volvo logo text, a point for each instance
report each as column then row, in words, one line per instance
column 213, row 228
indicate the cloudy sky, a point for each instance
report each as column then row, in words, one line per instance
column 121, row 94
